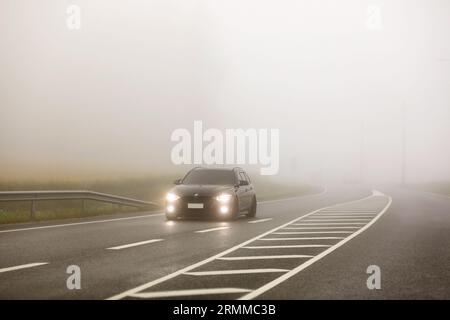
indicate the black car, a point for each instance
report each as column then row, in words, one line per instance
column 212, row 192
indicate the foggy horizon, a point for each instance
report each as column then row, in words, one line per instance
column 103, row 101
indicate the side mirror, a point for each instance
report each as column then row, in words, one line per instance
column 243, row 183
column 178, row 181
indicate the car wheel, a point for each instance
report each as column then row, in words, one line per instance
column 252, row 211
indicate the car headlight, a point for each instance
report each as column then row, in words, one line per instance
column 172, row 197
column 224, row 198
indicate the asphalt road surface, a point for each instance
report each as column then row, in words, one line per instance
column 311, row 247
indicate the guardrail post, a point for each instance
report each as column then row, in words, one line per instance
column 32, row 210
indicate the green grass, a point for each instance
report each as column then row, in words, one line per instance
column 150, row 188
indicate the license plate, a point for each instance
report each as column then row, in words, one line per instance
column 195, row 205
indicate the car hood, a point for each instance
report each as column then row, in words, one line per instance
column 202, row 190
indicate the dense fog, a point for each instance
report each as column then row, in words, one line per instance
column 359, row 90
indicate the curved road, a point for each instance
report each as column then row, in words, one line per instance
column 317, row 246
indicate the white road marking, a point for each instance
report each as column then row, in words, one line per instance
column 313, row 232
column 340, row 217
column 156, row 214
column 306, row 264
column 212, row 258
column 289, row 246
column 282, row 256
column 328, row 224
column 135, row 244
column 318, row 228
column 153, row 214
column 191, row 292
column 240, row 271
column 336, row 213
column 343, row 217
column 302, row 238
column 212, row 229
column 334, row 220
column 260, row 220
column 350, row 211
column 23, row 266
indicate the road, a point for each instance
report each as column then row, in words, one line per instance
column 311, row 247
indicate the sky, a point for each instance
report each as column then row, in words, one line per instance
column 350, row 85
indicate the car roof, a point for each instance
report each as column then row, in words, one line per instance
column 217, row 169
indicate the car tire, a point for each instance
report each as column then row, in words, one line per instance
column 252, row 211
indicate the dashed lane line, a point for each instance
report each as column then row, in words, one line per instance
column 23, row 266
column 260, row 220
column 212, row 229
column 135, row 244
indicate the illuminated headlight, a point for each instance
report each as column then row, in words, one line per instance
column 172, row 197
column 170, row 208
column 223, row 209
column 224, row 198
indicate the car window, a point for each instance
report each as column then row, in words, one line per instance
column 248, row 178
column 242, row 176
column 219, row 177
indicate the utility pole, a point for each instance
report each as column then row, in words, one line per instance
column 361, row 152
column 403, row 164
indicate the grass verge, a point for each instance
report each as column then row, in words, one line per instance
column 152, row 188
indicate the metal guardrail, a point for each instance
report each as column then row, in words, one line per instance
column 34, row 196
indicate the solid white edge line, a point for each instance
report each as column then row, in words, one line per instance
column 157, row 213
column 23, row 266
column 212, row 258
column 238, row 271
column 135, row 244
column 212, row 229
column 268, row 286
column 189, row 292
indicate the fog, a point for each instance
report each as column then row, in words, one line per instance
column 348, row 93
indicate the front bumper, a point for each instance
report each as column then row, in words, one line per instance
column 211, row 207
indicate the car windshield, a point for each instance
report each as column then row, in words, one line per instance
column 222, row 177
